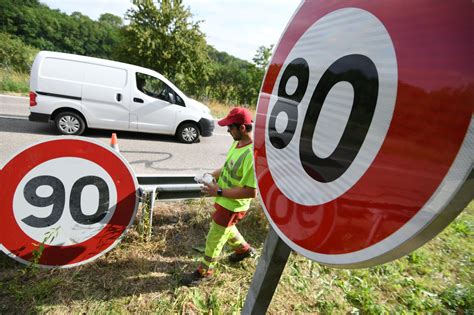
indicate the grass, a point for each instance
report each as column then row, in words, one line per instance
column 141, row 276
column 13, row 82
column 220, row 110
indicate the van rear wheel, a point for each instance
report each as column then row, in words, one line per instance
column 188, row 133
column 69, row 123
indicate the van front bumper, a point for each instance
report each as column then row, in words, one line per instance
column 207, row 127
column 38, row 117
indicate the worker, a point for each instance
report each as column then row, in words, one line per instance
column 233, row 188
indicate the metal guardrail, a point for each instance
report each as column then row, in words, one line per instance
column 170, row 187
column 156, row 187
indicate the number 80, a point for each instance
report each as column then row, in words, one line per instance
column 361, row 73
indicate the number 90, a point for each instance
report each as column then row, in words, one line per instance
column 58, row 198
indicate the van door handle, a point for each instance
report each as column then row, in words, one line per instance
column 118, row 97
column 137, row 100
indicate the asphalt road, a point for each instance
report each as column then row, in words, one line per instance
column 146, row 153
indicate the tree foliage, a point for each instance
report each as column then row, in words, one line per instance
column 233, row 80
column 110, row 19
column 14, row 54
column 39, row 26
column 262, row 57
column 161, row 35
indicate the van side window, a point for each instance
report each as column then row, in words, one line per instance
column 178, row 100
column 152, row 86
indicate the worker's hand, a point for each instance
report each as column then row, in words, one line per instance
column 210, row 189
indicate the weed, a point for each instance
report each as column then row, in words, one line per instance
column 14, row 82
column 326, row 307
column 459, row 298
column 463, row 227
column 239, row 302
column 416, row 258
column 144, row 225
column 199, row 300
column 38, row 251
column 215, row 304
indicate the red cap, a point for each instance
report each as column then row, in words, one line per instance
column 238, row 115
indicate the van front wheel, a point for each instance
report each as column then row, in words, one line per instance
column 188, row 133
column 69, row 123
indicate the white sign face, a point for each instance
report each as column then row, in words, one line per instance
column 74, row 206
column 321, row 46
column 75, row 196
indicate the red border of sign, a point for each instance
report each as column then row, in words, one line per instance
column 432, row 114
column 22, row 246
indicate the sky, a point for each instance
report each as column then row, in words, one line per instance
column 237, row 27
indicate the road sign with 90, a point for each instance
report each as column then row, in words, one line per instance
column 76, row 196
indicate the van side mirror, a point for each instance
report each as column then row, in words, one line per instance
column 172, row 98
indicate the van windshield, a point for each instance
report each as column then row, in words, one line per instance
column 156, row 88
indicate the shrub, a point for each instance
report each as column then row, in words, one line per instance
column 14, row 81
column 14, row 54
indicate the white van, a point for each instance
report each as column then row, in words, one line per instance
column 78, row 92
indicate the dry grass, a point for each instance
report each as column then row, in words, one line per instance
column 14, row 82
column 143, row 277
column 135, row 276
column 220, row 110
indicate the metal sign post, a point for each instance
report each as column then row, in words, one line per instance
column 267, row 275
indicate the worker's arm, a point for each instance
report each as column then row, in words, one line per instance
column 217, row 173
column 233, row 193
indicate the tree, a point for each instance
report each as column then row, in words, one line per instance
column 262, row 57
column 112, row 20
column 41, row 27
column 233, row 80
column 109, row 34
column 162, row 36
column 14, row 54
